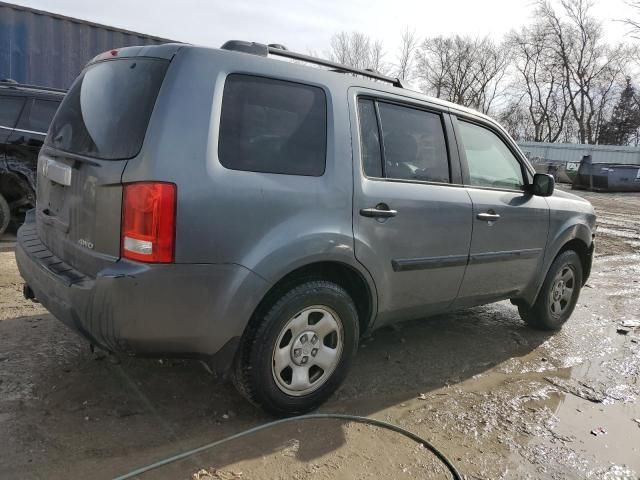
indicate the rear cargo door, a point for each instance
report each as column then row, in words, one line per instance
column 100, row 124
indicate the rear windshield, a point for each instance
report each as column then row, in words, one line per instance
column 106, row 112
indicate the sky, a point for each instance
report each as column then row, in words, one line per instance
column 307, row 25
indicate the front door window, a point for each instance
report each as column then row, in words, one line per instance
column 491, row 163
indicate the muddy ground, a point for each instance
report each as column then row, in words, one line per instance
column 501, row 400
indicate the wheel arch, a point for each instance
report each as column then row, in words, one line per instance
column 584, row 252
column 578, row 238
column 356, row 284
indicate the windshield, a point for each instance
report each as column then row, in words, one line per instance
column 107, row 110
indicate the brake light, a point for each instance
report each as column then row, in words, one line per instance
column 148, row 222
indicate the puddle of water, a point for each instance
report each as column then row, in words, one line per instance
column 577, row 418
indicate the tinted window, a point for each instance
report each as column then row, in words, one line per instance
column 414, row 144
column 40, row 115
column 273, row 126
column 106, row 112
column 10, row 108
column 369, row 138
column 491, row 163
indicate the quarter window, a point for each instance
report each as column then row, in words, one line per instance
column 273, row 126
column 490, row 162
column 10, row 108
column 414, row 144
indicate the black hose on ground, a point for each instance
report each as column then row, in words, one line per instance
column 314, row 416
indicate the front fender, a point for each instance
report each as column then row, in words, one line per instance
column 562, row 231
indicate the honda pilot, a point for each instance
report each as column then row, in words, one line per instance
column 264, row 213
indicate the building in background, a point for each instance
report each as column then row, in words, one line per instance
column 563, row 159
column 49, row 50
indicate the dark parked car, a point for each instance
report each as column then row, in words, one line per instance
column 25, row 114
column 222, row 203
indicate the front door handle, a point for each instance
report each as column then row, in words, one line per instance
column 381, row 210
column 489, row 216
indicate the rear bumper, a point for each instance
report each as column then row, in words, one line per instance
column 177, row 309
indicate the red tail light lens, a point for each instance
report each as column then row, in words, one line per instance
column 148, row 222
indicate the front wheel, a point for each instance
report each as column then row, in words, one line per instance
column 294, row 357
column 558, row 295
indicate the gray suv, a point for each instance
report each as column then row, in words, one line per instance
column 264, row 214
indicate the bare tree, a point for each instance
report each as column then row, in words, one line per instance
column 462, row 70
column 557, row 79
column 634, row 23
column 590, row 67
column 406, row 58
column 357, row 50
column 541, row 82
column 514, row 117
column 376, row 55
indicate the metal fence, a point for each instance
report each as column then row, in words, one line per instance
column 47, row 49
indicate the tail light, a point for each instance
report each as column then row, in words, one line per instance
column 148, row 222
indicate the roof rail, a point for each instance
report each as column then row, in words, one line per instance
column 8, row 82
column 281, row 51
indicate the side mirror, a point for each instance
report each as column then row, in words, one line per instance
column 542, row 185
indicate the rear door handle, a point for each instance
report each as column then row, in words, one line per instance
column 488, row 216
column 379, row 211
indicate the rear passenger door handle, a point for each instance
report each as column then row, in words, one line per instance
column 488, row 216
column 379, row 211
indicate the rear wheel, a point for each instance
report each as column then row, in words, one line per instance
column 297, row 354
column 5, row 215
column 558, row 295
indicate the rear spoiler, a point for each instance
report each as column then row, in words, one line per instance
column 165, row 51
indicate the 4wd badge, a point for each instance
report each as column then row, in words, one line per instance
column 85, row 243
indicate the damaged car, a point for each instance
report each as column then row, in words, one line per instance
column 25, row 114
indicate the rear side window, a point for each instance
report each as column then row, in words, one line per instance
column 10, row 108
column 414, row 144
column 40, row 115
column 106, row 112
column 273, row 126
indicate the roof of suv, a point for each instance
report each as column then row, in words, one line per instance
column 271, row 52
column 381, row 81
column 261, row 52
column 351, row 75
column 11, row 87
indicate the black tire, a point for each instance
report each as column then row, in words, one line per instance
column 552, row 308
column 254, row 368
column 5, row 215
